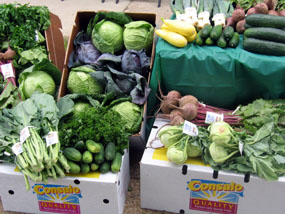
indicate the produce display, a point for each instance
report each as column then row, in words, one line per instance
column 248, row 140
column 24, row 63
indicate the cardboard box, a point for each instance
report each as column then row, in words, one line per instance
column 88, row 194
column 82, row 18
column 55, row 42
column 195, row 188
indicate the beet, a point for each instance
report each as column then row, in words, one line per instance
column 188, row 99
column 177, row 120
column 261, row 8
column 240, row 26
column 282, row 13
column 238, row 15
column 272, row 12
column 251, row 11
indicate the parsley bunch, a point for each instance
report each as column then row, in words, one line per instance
column 98, row 124
column 18, row 24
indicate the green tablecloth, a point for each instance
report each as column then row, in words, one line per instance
column 219, row 77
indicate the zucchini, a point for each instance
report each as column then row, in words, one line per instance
column 216, row 32
column 92, row 146
column 110, row 151
column 265, row 20
column 84, row 168
column 264, row 47
column 74, row 167
column 94, row 166
column 72, row 154
column 209, row 41
column 80, row 145
column 234, row 41
column 228, row 33
column 87, row 157
column 205, row 32
column 99, row 157
column 265, row 33
column 222, row 43
column 116, row 163
column 199, row 40
column 105, row 167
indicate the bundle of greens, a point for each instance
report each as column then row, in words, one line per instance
column 26, row 130
column 15, row 28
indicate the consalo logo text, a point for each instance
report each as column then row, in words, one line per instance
column 214, row 196
column 58, row 198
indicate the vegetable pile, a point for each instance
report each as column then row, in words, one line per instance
column 24, row 64
column 112, row 56
column 250, row 139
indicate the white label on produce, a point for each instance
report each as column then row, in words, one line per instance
column 17, row 148
column 7, row 70
column 212, row 117
column 7, row 154
column 24, row 134
column 52, row 138
column 240, row 146
column 190, row 129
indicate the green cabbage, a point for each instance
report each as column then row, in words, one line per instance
column 131, row 115
column 80, row 81
column 138, row 35
column 107, row 37
column 38, row 81
column 80, row 107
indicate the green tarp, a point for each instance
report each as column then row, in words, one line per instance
column 219, row 77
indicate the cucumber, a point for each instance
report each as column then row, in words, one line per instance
column 264, row 47
column 85, row 168
column 87, row 157
column 199, row 40
column 92, row 146
column 72, row 154
column 80, row 146
column 99, row 157
column 105, row 167
column 216, row 32
column 110, row 151
column 209, row 41
column 116, row 163
column 234, row 41
column 265, row 20
column 265, row 33
column 222, row 43
column 94, row 166
column 205, row 32
column 228, row 33
column 74, row 167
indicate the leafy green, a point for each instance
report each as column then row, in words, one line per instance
column 9, row 97
column 19, row 24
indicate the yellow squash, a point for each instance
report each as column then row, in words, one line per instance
column 191, row 38
column 182, row 27
column 172, row 38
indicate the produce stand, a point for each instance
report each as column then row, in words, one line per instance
column 196, row 188
column 219, row 77
column 88, row 193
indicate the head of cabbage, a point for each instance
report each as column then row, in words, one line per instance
column 138, row 35
column 39, row 81
column 131, row 115
column 80, row 107
column 107, row 37
column 81, row 82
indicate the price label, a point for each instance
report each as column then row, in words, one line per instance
column 212, row 117
column 24, row 134
column 240, row 146
column 190, row 128
column 17, row 148
column 51, row 138
column 7, row 70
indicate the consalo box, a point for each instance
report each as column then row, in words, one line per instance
column 195, row 188
column 137, row 141
column 87, row 194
